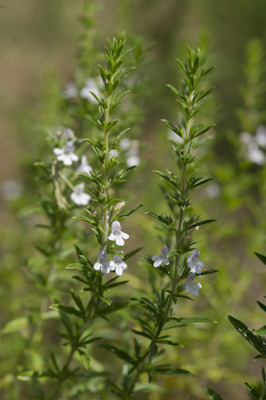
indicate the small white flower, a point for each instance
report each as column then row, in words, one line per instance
column 103, row 264
column 79, row 197
column 125, row 143
column 10, row 190
column 255, row 154
column 91, row 85
column 113, row 154
column 117, row 235
column 261, row 136
column 66, row 154
column 70, row 91
column 191, row 286
column 133, row 161
column 118, row 265
column 84, row 167
column 213, row 190
column 161, row 258
column 194, row 264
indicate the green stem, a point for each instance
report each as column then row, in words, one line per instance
column 106, row 163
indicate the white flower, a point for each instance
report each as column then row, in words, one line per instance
column 253, row 144
column 254, row 154
column 10, row 190
column 161, row 258
column 91, row 86
column 66, row 154
column 70, row 91
column 79, row 197
column 117, row 235
column 261, row 136
column 133, row 161
column 113, row 154
column 125, row 143
column 213, row 190
column 118, row 265
column 194, row 264
column 103, row 264
column 84, row 167
column 191, row 286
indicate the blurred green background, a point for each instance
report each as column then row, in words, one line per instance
column 39, row 42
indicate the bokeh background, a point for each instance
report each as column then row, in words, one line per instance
column 39, row 43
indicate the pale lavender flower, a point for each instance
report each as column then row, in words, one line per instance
column 91, row 85
column 213, row 190
column 261, row 136
column 79, row 197
column 191, row 286
column 66, row 154
column 70, row 91
column 161, row 258
column 194, row 264
column 255, row 154
column 125, row 143
column 11, row 190
column 117, row 235
column 84, row 167
column 253, row 144
column 132, row 154
column 118, row 265
column 103, row 264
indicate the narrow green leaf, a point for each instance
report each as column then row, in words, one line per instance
column 123, row 355
column 262, row 305
column 261, row 257
column 78, row 266
column 255, row 341
column 212, row 394
column 85, row 359
column 67, row 310
column 16, row 324
column 252, row 390
column 146, row 335
column 261, row 331
column 132, row 253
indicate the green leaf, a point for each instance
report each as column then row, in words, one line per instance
column 207, row 272
column 123, row 355
column 253, row 390
column 185, row 321
column 261, row 257
column 169, row 342
column 132, row 253
column 85, row 359
column 198, row 223
column 107, row 301
column 78, row 266
column 212, row 394
column 261, row 330
column 16, row 324
column 168, row 370
column 67, row 310
column 146, row 335
column 255, row 341
column 262, row 305
column 123, row 214
column 26, row 376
